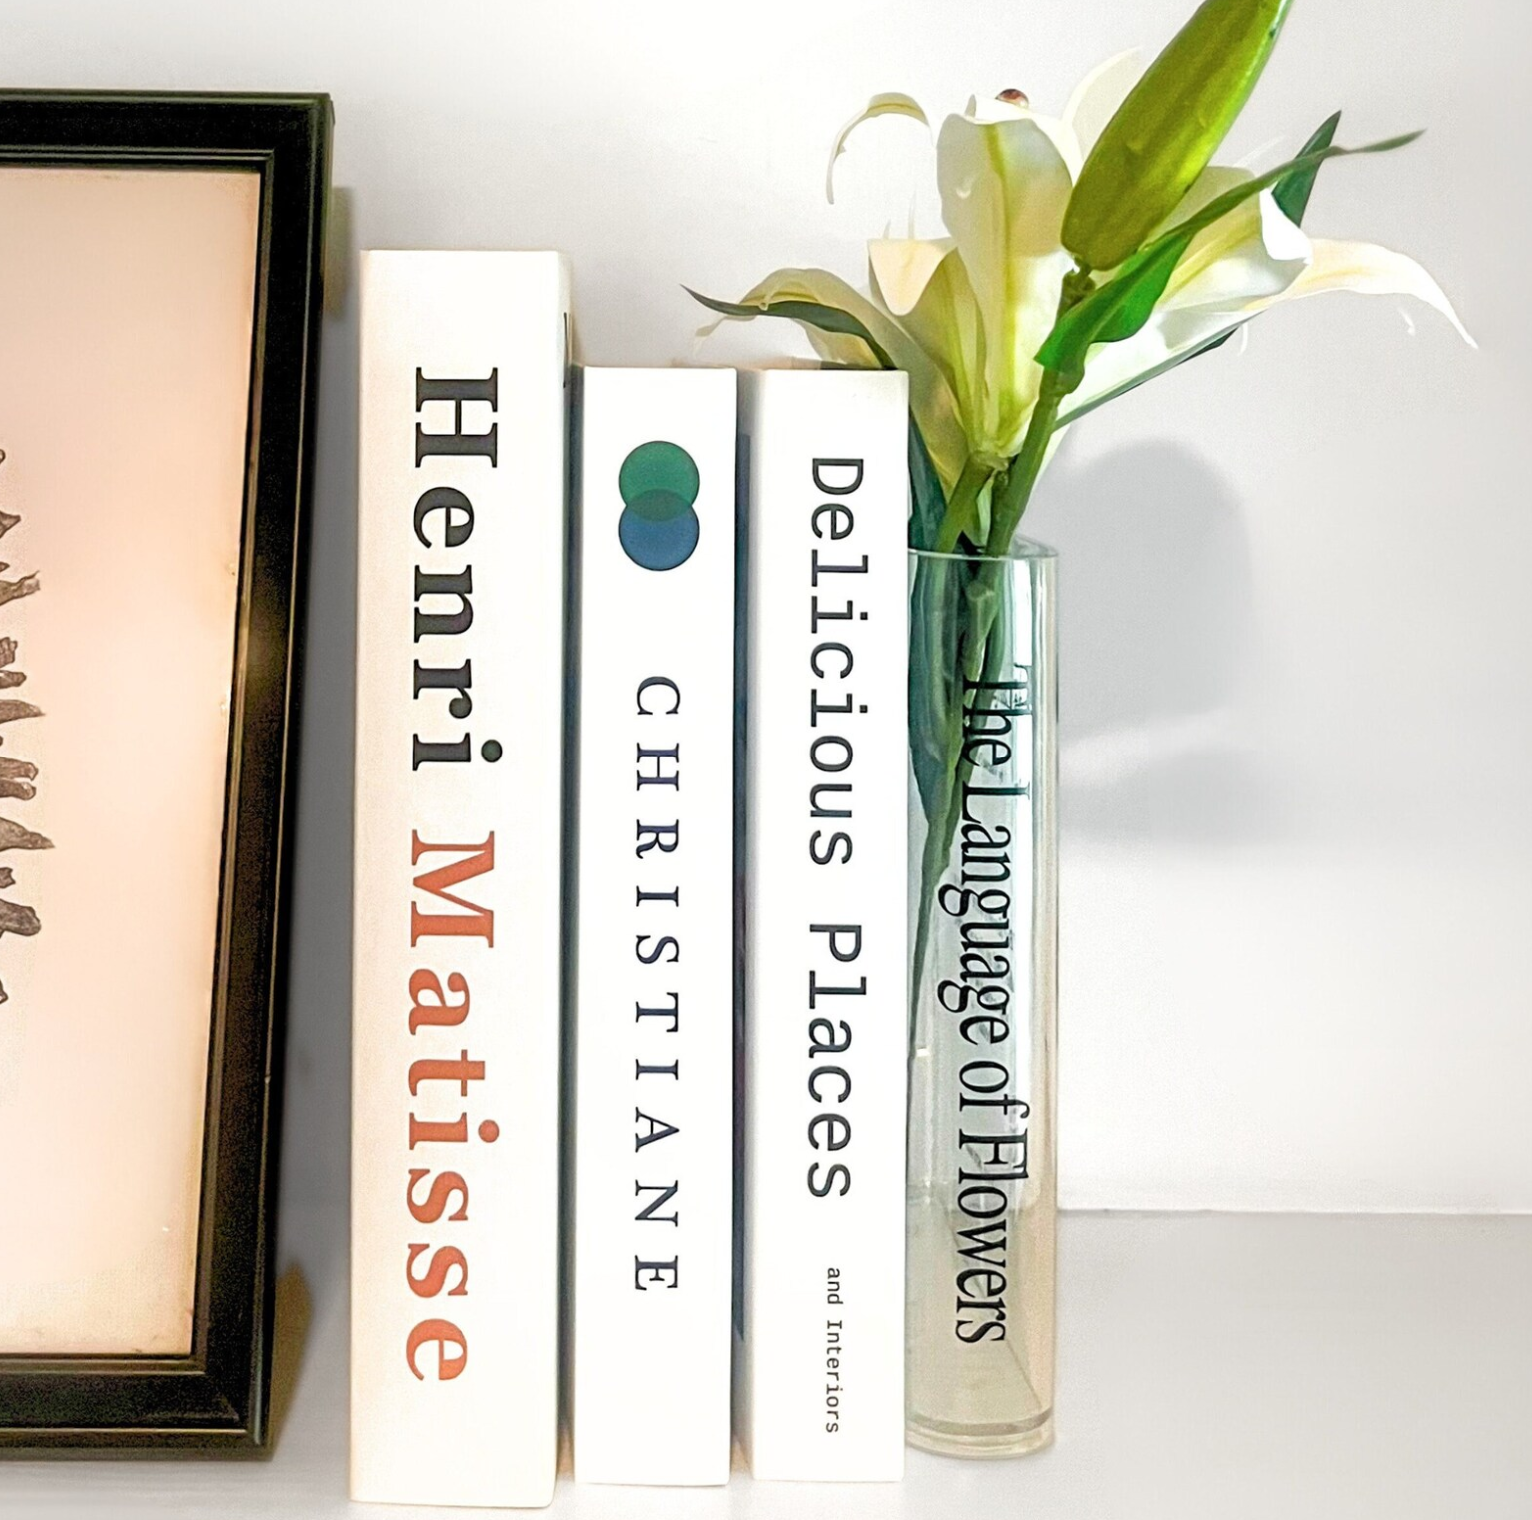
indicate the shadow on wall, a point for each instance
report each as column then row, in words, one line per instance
column 1160, row 703
column 316, row 1145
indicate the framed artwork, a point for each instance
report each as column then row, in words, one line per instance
column 160, row 279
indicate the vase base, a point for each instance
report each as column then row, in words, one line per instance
column 981, row 1440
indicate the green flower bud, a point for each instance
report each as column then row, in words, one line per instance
column 1166, row 132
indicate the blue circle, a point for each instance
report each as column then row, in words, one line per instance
column 658, row 545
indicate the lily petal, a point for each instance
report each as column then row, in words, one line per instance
column 1178, row 330
column 890, row 104
column 1253, row 254
column 992, row 112
column 944, row 321
column 1097, row 96
column 1004, row 189
column 1233, row 270
column 902, row 268
column 1370, row 270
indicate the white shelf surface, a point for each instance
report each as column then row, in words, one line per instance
column 1233, row 1367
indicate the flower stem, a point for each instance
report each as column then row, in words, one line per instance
column 1014, row 493
column 974, row 646
column 962, row 514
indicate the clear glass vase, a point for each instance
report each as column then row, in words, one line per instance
column 983, row 936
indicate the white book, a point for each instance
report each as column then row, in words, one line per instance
column 820, row 1378
column 456, row 979
column 654, row 993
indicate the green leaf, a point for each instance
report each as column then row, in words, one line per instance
column 937, row 607
column 1167, row 130
column 826, row 318
column 938, row 616
column 1114, row 311
column 928, row 502
column 1121, row 306
column 1292, row 191
column 1174, row 362
column 971, row 604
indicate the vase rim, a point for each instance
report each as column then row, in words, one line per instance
column 1020, row 549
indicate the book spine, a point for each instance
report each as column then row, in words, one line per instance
column 655, row 934
column 455, row 1078
column 822, row 1373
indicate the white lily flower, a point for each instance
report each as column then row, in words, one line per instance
column 1005, row 184
column 966, row 315
column 1252, row 260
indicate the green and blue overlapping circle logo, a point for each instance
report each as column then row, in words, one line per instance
column 658, row 483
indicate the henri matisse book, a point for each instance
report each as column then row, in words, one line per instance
column 460, row 681
column 654, row 930
column 820, row 1375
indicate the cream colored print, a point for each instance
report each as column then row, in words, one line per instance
column 127, row 309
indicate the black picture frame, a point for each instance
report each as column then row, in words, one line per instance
column 216, row 1400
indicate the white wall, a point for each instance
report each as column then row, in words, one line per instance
column 1298, row 721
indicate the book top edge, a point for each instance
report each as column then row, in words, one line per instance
column 725, row 372
column 519, row 255
column 792, row 375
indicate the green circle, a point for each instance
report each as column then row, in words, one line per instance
column 659, row 467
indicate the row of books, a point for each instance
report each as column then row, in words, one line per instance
column 630, row 906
